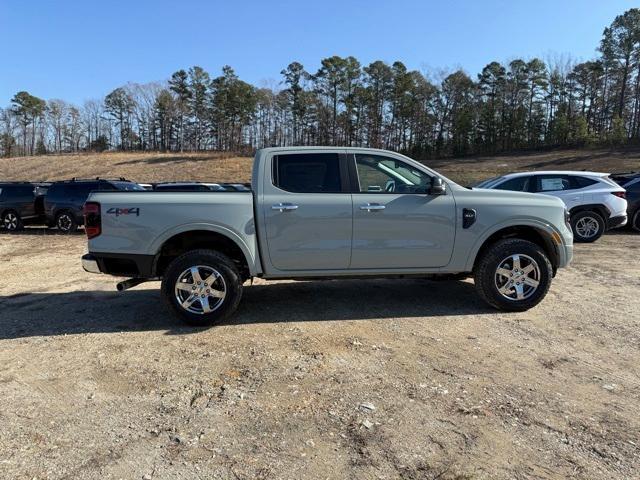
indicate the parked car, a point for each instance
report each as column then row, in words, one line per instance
column 21, row 204
column 64, row 200
column 188, row 187
column 200, row 187
column 328, row 212
column 631, row 183
column 596, row 203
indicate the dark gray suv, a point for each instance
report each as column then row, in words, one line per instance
column 65, row 200
column 21, row 203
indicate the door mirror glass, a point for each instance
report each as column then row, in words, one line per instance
column 437, row 186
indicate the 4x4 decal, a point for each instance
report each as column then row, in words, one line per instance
column 117, row 211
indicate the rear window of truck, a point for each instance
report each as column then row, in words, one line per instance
column 308, row 173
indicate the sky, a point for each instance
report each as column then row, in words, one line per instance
column 77, row 50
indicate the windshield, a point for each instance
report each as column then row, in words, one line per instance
column 128, row 186
column 486, row 183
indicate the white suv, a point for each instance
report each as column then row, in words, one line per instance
column 596, row 203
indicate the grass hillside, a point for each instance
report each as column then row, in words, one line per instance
column 153, row 167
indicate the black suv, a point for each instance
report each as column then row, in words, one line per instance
column 21, row 203
column 65, row 200
column 631, row 183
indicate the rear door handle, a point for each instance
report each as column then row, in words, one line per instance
column 284, row 207
column 372, row 207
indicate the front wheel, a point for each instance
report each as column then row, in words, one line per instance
column 202, row 287
column 587, row 226
column 513, row 275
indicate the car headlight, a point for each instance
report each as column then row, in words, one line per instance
column 567, row 218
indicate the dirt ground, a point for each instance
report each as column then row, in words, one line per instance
column 340, row 379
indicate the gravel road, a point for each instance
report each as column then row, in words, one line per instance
column 338, row 379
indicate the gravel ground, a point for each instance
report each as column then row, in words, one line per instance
column 340, row 379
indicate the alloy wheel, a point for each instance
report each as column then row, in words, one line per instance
column 64, row 222
column 11, row 221
column 200, row 289
column 517, row 277
column 587, row 227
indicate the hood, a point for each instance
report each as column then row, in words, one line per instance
column 522, row 198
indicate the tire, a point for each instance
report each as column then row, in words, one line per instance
column 66, row 222
column 11, row 221
column 635, row 221
column 207, row 262
column 587, row 226
column 493, row 274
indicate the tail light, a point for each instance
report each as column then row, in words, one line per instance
column 622, row 194
column 92, row 219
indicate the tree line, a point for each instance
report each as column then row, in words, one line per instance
column 524, row 104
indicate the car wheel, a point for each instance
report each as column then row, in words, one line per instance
column 11, row 221
column 202, row 287
column 635, row 221
column 587, row 226
column 66, row 223
column 513, row 275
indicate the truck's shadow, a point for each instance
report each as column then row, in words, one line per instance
column 44, row 314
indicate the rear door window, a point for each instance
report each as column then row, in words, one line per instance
column 308, row 173
column 582, row 182
column 554, row 183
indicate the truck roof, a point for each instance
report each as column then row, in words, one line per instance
column 321, row 147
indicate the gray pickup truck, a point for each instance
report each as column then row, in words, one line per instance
column 328, row 212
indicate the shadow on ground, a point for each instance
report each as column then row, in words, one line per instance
column 45, row 314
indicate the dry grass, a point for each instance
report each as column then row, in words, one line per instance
column 212, row 166
column 141, row 167
column 469, row 170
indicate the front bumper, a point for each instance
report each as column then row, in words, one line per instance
column 617, row 221
column 90, row 264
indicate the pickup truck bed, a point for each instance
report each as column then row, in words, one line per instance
column 138, row 232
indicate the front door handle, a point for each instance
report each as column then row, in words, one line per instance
column 372, row 207
column 284, row 207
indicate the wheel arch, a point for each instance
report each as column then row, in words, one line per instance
column 538, row 234
column 592, row 207
column 203, row 237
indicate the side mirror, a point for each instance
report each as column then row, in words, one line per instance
column 437, row 186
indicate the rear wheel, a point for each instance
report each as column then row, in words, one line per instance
column 587, row 226
column 11, row 221
column 202, row 287
column 66, row 223
column 513, row 275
